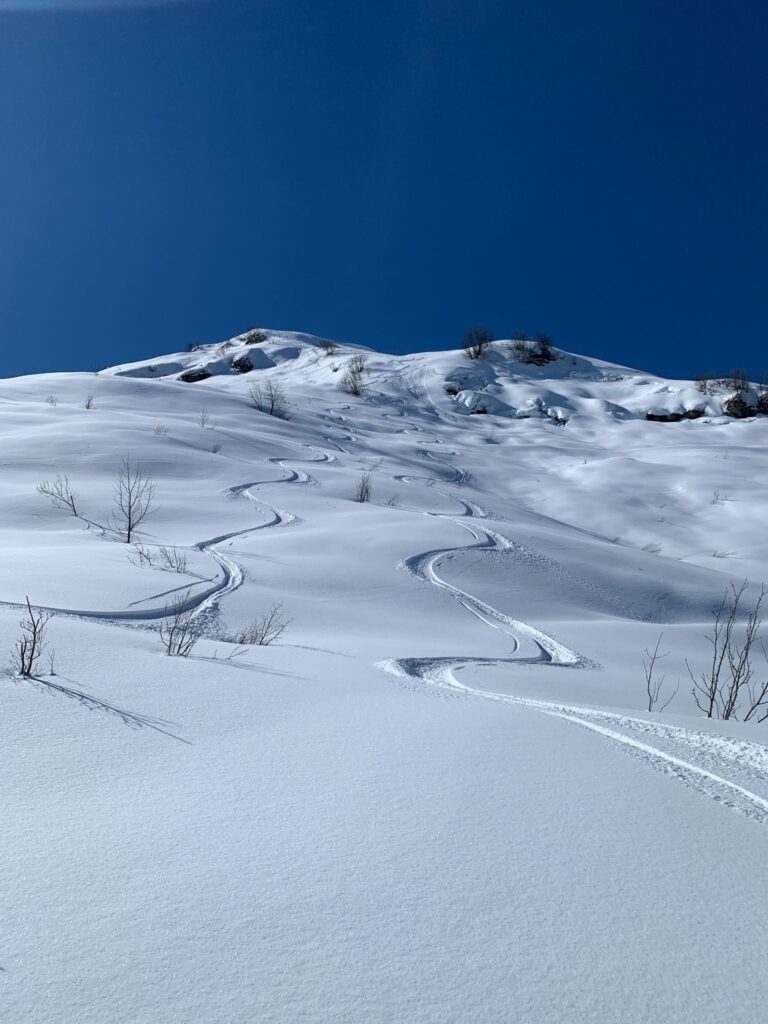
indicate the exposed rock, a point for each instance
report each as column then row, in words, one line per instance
column 664, row 417
column 193, row 376
column 738, row 407
column 242, row 364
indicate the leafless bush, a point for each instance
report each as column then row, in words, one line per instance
column 269, row 399
column 520, row 336
column 327, row 346
column 352, row 380
column 393, row 501
column 52, row 400
column 476, row 341
column 133, row 497
column 265, row 630
column 652, row 548
column 255, row 336
column 654, row 684
column 179, row 631
column 363, row 490
column 537, row 351
column 161, row 430
column 542, row 349
column 32, row 643
column 217, row 446
column 703, row 382
column 162, row 557
column 90, row 402
column 727, row 686
column 204, row 418
column 60, row 492
column 737, row 380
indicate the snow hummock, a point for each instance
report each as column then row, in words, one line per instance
column 440, row 797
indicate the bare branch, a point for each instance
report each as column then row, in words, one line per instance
column 265, row 630
column 60, row 492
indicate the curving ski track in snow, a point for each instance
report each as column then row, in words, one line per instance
column 724, row 769
column 205, row 603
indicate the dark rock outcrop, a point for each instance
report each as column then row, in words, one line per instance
column 193, row 376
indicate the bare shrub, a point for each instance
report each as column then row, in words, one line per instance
column 133, row 497
column 728, row 683
column 363, row 490
column 32, row 643
column 542, row 349
column 60, row 492
column 352, row 379
column 476, row 341
column 269, row 399
column 52, row 400
column 537, row 352
column 654, row 684
column 520, row 336
column 179, row 631
column 167, row 558
column 327, row 346
column 161, row 430
column 393, row 501
column 90, row 402
column 255, row 336
column 737, row 380
column 217, row 446
column 205, row 418
column 265, row 630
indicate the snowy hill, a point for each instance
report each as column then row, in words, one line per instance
column 304, row 831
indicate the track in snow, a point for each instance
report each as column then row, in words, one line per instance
column 724, row 769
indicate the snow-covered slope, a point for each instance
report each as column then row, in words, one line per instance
column 306, row 831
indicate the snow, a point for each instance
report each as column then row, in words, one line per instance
column 439, row 797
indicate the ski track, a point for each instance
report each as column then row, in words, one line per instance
column 706, row 757
column 205, row 604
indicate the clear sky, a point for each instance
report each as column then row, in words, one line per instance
column 385, row 172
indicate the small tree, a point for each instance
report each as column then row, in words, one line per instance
column 60, row 493
column 721, row 689
column 133, row 497
column 654, row 684
column 179, row 630
column 32, row 643
column 476, row 341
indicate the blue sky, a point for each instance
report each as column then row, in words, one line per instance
column 385, row 173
